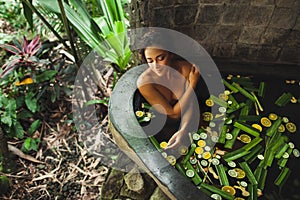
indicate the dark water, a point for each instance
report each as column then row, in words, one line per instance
column 275, row 86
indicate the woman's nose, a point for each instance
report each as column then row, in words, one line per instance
column 154, row 63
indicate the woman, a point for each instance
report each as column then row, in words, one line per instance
column 168, row 86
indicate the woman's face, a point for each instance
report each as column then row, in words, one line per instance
column 158, row 60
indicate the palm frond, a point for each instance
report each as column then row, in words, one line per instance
column 106, row 34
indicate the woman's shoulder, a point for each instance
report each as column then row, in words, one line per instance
column 184, row 67
column 144, row 77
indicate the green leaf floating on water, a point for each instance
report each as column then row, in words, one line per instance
column 235, row 166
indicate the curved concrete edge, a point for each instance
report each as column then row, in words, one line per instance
column 123, row 145
column 131, row 139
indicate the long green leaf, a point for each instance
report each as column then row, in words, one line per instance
column 102, row 22
column 28, row 13
column 106, row 13
column 115, row 43
column 121, row 32
column 125, row 60
column 111, row 56
column 81, row 9
column 83, row 28
column 113, row 11
column 85, row 15
column 107, row 34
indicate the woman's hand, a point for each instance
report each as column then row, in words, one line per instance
column 194, row 76
column 178, row 139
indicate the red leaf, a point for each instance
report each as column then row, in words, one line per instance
column 11, row 48
column 3, row 66
column 9, row 67
column 36, row 49
column 7, row 71
column 11, row 63
column 33, row 45
column 24, row 44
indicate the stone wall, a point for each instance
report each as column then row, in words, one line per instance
column 260, row 31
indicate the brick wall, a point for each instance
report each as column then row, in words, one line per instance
column 265, row 31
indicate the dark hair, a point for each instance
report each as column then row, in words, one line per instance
column 159, row 40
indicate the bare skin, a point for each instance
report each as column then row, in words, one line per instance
column 168, row 86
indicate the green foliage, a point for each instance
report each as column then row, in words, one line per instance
column 4, row 37
column 19, row 103
column 11, row 12
column 34, row 126
column 11, row 19
column 28, row 13
column 24, row 89
column 30, row 144
column 52, row 19
column 106, row 34
column 8, row 112
column 97, row 101
column 18, row 19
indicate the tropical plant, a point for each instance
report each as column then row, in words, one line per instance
column 106, row 34
column 24, row 55
column 26, row 81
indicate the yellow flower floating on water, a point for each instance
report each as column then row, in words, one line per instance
column 163, row 145
column 139, row 113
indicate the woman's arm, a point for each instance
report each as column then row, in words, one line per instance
column 189, row 122
column 161, row 104
column 190, row 118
